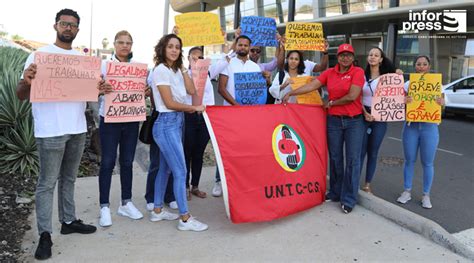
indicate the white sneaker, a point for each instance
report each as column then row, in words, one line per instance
column 173, row 205
column 192, row 225
column 129, row 210
column 217, row 189
column 164, row 215
column 105, row 218
column 150, row 206
column 404, row 197
column 426, row 202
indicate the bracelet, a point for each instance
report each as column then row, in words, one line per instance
column 184, row 71
column 325, row 53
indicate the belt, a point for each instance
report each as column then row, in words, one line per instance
column 346, row 116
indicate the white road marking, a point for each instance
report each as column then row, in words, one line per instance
column 439, row 149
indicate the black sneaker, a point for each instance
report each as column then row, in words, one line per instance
column 328, row 198
column 43, row 251
column 346, row 209
column 77, row 227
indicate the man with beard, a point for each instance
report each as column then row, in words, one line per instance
column 60, row 132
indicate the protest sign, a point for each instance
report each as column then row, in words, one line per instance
column 62, row 77
column 312, row 97
column 424, row 90
column 272, row 159
column 199, row 29
column 304, row 36
column 200, row 72
column 250, row 88
column 388, row 101
column 126, row 103
column 261, row 30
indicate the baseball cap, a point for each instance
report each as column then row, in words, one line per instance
column 345, row 48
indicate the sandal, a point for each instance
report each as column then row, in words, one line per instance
column 367, row 189
column 198, row 193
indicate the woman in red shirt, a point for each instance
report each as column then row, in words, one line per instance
column 345, row 125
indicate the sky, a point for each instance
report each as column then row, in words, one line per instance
column 34, row 20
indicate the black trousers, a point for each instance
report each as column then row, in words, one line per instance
column 196, row 138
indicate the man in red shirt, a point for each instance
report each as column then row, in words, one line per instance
column 345, row 125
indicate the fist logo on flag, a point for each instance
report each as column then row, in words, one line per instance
column 288, row 148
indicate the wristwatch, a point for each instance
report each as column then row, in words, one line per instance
column 330, row 103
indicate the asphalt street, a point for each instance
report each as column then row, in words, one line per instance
column 452, row 193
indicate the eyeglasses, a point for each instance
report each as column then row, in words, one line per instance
column 124, row 43
column 346, row 55
column 65, row 24
column 255, row 50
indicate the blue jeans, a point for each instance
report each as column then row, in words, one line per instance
column 374, row 132
column 168, row 134
column 423, row 136
column 151, row 177
column 112, row 135
column 344, row 132
column 59, row 159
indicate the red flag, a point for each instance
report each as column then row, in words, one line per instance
column 272, row 158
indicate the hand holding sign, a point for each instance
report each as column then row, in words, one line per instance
column 388, row 99
column 250, row 88
column 424, row 89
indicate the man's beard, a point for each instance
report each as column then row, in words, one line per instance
column 66, row 39
column 242, row 53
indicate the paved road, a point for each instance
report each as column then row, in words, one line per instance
column 452, row 193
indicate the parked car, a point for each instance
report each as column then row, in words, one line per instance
column 459, row 96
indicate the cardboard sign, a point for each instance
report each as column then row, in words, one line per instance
column 199, row 29
column 261, row 30
column 127, row 102
column 312, row 97
column 200, row 72
column 304, row 36
column 424, row 89
column 250, row 88
column 62, row 77
column 388, row 101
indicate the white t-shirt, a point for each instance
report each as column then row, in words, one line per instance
column 165, row 76
column 368, row 91
column 308, row 67
column 279, row 94
column 214, row 70
column 237, row 66
column 57, row 118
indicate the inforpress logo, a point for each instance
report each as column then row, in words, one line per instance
column 448, row 20
column 288, row 148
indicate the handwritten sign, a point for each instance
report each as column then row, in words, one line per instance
column 424, row 89
column 261, row 30
column 127, row 101
column 312, row 97
column 250, row 88
column 304, row 36
column 200, row 73
column 388, row 102
column 62, row 77
column 199, row 29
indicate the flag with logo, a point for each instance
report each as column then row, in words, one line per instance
column 272, row 159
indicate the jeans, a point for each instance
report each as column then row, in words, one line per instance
column 59, row 159
column 112, row 135
column 168, row 134
column 151, row 177
column 374, row 132
column 196, row 138
column 423, row 136
column 344, row 181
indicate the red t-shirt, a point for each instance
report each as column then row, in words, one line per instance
column 338, row 85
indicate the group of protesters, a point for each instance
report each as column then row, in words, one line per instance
column 180, row 134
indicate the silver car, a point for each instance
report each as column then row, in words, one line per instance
column 459, row 96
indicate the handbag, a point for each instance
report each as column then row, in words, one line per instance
column 146, row 131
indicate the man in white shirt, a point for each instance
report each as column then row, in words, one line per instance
column 60, row 132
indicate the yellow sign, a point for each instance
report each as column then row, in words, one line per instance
column 312, row 97
column 199, row 29
column 424, row 90
column 304, row 36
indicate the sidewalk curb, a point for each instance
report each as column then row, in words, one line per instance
column 415, row 223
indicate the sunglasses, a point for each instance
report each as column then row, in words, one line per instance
column 255, row 50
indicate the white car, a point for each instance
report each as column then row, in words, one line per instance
column 459, row 96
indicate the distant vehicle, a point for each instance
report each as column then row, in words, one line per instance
column 459, row 96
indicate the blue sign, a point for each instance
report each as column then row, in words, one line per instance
column 261, row 30
column 250, row 88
